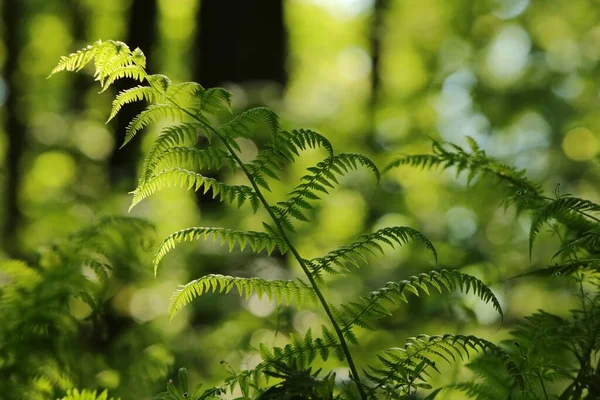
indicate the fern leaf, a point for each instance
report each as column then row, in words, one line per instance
column 283, row 149
column 246, row 124
column 322, row 176
column 369, row 244
column 85, row 394
column 403, row 366
column 280, row 291
column 153, row 113
column 373, row 306
column 589, row 241
column 76, row 61
column 214, row 100
column 556, row 209
column 566, row 268
column 178, row 177
column 137, row 93
column 525, row 193
column 194, row 159
column 258, row 241
column 186, row 134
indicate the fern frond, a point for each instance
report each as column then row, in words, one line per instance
column 134, row 72
column 85, row 394
column 183, row 178
column 258, row 241
column 404, row 366
column 137, row 93
column 556, row 209
column 280, row 291
column 215, row 100
column 370, row 244
column 566, row 268
column 298, row 354
column 152, row 114
column 322, row 176
column 247, row 123
column 589, row 241
column 373, row 306
column 76, row 61
column 186, row 134
column 524, row 192
column 194, row 159
column 283, row 149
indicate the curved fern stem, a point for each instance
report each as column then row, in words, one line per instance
column 291, row 247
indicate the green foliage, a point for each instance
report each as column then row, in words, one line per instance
column 40, row 323
column 557, row 356
column 74, row 394
column 177, row 160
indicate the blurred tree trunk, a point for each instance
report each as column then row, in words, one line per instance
column 15, row 130
column 81, row 83
column 142, row 33
column 239, row 42
column 375, row 34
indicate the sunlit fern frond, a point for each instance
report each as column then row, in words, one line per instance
column 407, row 366
column 183, row 178
column 282, row 150
column 374, row 306
column 524, row 192
column 278, row 290
column 153, row 113
column 194, row 159
column 556, row 209
column 258, row 241
column 215, row 100
column 137, row 93
column 85, row 394
column 300, row 352
column 108, row 57
column 367, row 245
column 181, row 135
column 248, row 123
column 322, row 176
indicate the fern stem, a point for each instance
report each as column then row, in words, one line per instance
column 292, row 248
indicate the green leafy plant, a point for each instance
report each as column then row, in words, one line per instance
column 175, row 160
column 559, row 357
column 39, row 300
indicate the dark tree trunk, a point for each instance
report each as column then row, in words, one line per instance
column 142, row 34
column 376, row 33
column 14, row 128
column 81, row 83
column 239, row 42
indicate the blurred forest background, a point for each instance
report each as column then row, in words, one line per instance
column 375, row 76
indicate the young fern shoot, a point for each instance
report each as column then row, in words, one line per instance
column 175, row 161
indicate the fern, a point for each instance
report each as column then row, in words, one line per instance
column 75, row 394
column 555, row 209
column 525, row 193
column 373, row 306
column 403, row 368
column 258, row 241
column 322, row 177
column 150, row 115
column 368, row 245
column 280, row 291
column 183, row 178
column 172, row 136
column 176, row 159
